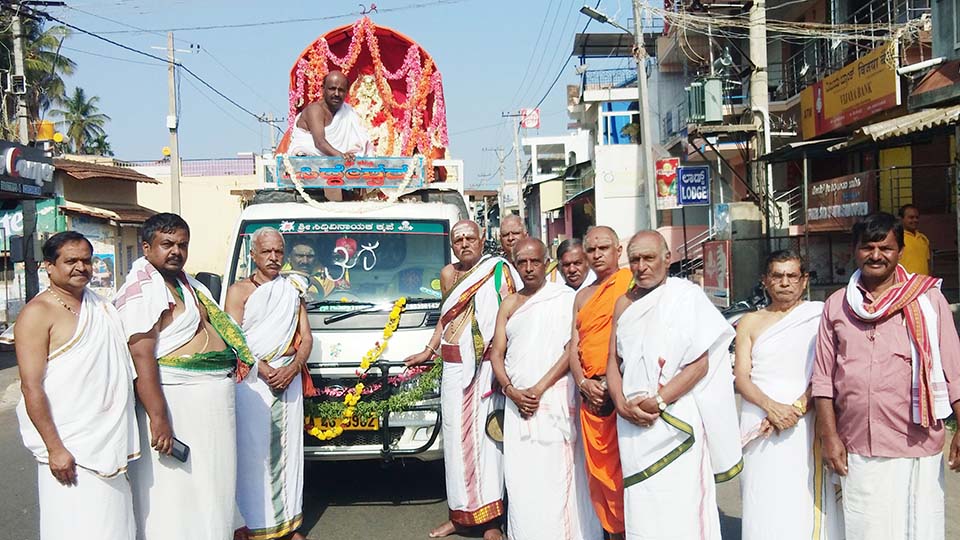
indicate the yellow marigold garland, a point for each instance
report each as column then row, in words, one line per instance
column 351, row 398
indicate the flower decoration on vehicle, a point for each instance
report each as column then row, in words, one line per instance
column 351, row 397
column 402, row 108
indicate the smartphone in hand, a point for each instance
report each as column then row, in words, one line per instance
column 180, row 451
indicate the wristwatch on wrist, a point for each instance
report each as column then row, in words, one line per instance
column 661, row 404
column 798, row 405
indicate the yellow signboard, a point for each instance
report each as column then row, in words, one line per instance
column 855, row 92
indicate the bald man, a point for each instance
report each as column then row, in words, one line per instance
column 330, row 127
column 512, row 230
column 542, row 459
column 589, row 347
column 677, row 424
column 473, row 288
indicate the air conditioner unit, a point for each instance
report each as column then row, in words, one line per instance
column 17, row 84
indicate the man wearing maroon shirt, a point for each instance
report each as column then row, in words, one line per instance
column 886, row 374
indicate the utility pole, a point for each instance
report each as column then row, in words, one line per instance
column 516, row 152
column 172, row 122
column 503, row 184
column 31, row 281
column 760, row 104
column 646, row 190
column 272, row 122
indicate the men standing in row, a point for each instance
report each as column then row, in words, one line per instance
column 542, row 460
column 916, row 245
column 886, row 374
column 512, row 230
column 82, row 435
column 677, row 421
column 588, row 350
column 472, row 290
column 185, row 350
column 571, row 266
column 774, row 361
column 270, row 406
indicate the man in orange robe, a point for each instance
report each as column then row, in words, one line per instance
column 589, row 348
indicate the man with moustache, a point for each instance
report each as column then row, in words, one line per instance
column 542, row 459
column 270, row 406
column 886, row 375
column 774, row 360
column 76, row 415
column 588, row 349
column 512, row 230
column 330, row 127
column 186, row 351
column 473, row 288
column 571, row 266
column 677, row 424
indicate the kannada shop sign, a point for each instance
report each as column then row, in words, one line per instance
column 859, row 90
column 694, row 187
column 667, row 183
column 365, row 172
column 836, row 204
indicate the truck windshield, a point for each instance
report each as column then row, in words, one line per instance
column 352, row 263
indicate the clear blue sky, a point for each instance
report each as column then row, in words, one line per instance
column 482, row 47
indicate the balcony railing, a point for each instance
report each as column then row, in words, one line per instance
column 602, row 79
column 819, row 57
column 242, row 166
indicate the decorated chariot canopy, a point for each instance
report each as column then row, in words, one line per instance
column 394, row 86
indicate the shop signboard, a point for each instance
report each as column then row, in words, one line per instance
column 25, row 170
column 855, row 92
column 667, row 183
column 716, row 272
column 836, row 204
column 694, row 189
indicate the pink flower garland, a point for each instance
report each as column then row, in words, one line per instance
column 312, row 67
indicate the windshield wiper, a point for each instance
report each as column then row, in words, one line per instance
column 321, row 303
column 349, row 314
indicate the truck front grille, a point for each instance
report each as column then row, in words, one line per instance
column 356, row 438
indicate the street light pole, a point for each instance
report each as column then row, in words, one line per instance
column 28, row 207
column 646, row 177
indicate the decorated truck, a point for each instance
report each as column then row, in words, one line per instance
column 370, row 236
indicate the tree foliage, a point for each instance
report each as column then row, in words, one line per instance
column 82, row 122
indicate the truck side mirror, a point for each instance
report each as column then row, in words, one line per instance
column 213, row 282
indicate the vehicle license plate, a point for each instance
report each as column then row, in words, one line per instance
column 355, row 424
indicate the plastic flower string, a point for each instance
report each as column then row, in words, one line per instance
column 352, row 397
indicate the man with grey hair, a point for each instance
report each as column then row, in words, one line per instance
column 670, row 380
column 512, row 230
column 270, row 406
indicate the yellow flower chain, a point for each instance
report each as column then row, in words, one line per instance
column 352, row 397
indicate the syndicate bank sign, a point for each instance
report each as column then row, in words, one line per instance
column 855, row 92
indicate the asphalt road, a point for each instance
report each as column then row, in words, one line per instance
column 343, row 501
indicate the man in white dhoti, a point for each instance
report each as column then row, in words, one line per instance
column 886, row 375
column 186, row 351
column 543, row 461
column 670, row 378
column 330, row 127
column 76, row 415
column 472, row 289
column 270, row 406
column 786, row 490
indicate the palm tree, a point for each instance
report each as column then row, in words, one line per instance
column 99, row 146
column 44, row 63
column 82, row 120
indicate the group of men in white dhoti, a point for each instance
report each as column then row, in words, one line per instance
column 879, row 361
column 217, row 442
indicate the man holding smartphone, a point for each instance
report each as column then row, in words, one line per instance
column 270, row 406
column 82, row 435
column 186, row 351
